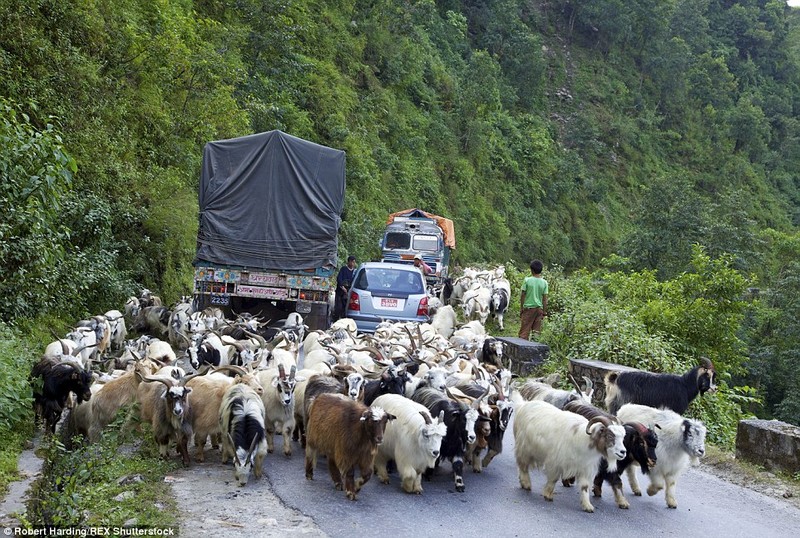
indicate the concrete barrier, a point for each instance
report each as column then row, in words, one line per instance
column 596, row 371
column 771, row 443
column 525, row 355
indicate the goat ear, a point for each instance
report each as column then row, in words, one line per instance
column 658, row 426
column 390, row 417
column 187, row 390
column 275, row 381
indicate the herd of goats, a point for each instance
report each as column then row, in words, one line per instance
column 412, row 394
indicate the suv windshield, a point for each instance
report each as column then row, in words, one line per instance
column 375, row 279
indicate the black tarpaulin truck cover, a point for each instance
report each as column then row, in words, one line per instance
column 270, row 201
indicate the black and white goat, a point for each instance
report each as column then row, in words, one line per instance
column 460, row 421
column 501, row 295
column 672, row 391
column 242, row 419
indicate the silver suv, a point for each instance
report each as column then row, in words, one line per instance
column 387, row 291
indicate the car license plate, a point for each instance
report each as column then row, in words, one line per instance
column 387, row 303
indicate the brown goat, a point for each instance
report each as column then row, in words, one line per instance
column 114, row 395
column 348, row 433
column 207, row 401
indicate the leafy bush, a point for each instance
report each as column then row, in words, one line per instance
column 15, row 391
column 78, row 486
column 631, row 318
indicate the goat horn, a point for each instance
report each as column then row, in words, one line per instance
column 78, row 350
column 476, row 404
column 334, row 351
column 641, row 428
column 427, row 417
column 589, row 383
column 235, row 457
column 75, row 364
column 371, row 374
column 374, row 351
column 706, row 363
column 410, row 337
column 281, row 371
column 292, row 371
column 252, row 447
column 202, row 371
column 169, row 382
column 231, row 368
column 261, row 340
column 603, row 420
column 575, row 384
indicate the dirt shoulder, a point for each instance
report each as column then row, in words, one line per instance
column 726, row 467
column 212, row 502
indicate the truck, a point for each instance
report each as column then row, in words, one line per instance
column 414, row 231
column 270, row 211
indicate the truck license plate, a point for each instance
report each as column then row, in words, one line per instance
column 221, row 300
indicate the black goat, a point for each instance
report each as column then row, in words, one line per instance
column 58, row 379
column 391, row 381
column 672, row 391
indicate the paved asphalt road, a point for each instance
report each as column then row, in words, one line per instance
column 495, row 505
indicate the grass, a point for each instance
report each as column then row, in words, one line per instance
column 115, row 482
column 10, row 450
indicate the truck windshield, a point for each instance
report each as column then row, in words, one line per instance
column 429, row 243
column 379, row 279
column 397, row 240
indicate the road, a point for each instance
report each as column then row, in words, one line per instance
column 494, row 504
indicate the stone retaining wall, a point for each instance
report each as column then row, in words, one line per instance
column 525, row 356
column 771, row 443
column 596, row 371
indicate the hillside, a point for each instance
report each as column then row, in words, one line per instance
column 552, row 129
column 610, row 133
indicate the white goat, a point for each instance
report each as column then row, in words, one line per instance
column 681, row 442
column 413, row 440
column 564, row 444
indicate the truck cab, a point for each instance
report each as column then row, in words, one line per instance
column 416, row 232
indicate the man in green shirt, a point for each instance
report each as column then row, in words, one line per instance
column 533, row 304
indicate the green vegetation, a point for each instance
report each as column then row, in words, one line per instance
column 110, row 483
column 646, row 151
